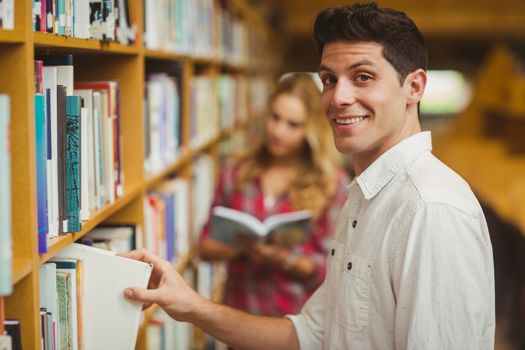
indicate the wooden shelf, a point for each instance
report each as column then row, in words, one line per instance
column 47, row 40
column 101, row 60
column 21, row 268
column 60, row 242
column 154, row 180
column 11, row 36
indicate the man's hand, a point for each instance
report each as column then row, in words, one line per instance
column 166, row 288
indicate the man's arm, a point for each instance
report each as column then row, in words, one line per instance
column 444, row 282
column 235, row 328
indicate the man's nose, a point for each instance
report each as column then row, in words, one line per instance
column 343, row 93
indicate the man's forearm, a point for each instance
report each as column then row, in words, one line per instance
column 244, row 331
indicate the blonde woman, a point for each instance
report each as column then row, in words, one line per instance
column 293, row 166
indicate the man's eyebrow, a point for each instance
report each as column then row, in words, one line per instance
column 363, row 62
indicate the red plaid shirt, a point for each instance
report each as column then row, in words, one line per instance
column 259, row 288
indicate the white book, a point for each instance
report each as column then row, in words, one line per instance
column 6, row 342
column 49, row 80
column 182, row 222
column 110, row 321
column 81, row 19
column 97, row 146
column 292, row 227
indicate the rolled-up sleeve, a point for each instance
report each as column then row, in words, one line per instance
column 309, row 324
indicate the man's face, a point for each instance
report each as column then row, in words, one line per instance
column 364, row 100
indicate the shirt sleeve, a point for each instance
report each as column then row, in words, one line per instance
column 444, row 281
column 309, row 324
column 323, row 231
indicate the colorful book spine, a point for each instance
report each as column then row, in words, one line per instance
column 41, row 171
column 5, row 200
column 72, row 147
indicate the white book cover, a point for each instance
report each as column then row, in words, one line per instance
column 110, row 321
column 81, row 19
column 49, row 80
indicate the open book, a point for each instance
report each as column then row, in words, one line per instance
column 289, row 228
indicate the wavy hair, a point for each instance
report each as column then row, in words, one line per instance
column 320, row 161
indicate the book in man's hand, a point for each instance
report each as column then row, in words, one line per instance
column 287, row 228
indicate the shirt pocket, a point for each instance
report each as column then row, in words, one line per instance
column 353, row 295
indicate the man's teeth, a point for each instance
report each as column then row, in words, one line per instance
column 349, row 120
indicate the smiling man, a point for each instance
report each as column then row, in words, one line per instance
column 411, row 263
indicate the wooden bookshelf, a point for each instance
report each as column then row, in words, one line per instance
column 95, row 60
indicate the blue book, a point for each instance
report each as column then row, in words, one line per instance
column 169, row 224
column 6, row 252
column 41, row 171
column 72, row 175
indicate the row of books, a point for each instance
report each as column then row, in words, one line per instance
column 95, row 19
column 166, row 220
column 162, row 122
column 202, row 28
column 77, row 137
column 5, row 199
column 7, row 14
column 81, row 298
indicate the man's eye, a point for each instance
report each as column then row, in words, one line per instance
column 328, row 81
column 364, row 77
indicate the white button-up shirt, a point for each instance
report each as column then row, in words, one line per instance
column 411, row 264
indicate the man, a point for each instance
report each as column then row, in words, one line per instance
column 411, row 263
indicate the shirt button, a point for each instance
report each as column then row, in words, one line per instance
column 349, row 266
column 333, row 252
column 354, row 223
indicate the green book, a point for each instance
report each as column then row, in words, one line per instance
column 72, row 147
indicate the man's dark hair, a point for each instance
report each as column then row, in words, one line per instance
column 403, row 44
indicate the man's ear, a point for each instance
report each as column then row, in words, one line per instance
column 415, row 84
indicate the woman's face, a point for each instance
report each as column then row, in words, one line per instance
column 285, row 126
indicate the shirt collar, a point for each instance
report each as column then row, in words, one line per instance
column 383, row 169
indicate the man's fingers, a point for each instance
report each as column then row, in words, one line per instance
column 147, row 257
column 141, row 294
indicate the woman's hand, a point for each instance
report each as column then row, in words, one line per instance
column 166, row 288
column 263, row 252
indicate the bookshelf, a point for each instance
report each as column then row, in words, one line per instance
column 102, row 60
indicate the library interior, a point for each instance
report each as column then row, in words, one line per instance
column 118, row 117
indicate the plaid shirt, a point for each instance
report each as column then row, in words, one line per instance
column 263, row 289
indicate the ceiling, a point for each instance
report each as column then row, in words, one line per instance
column 458, row 32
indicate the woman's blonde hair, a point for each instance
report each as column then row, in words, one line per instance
column 320, row 161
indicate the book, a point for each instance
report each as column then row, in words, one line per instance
column 49, row 296
column 66, row 273
column 72, row 164
column 12, row 328
column 6, row 242
column 109, row 321
column 41, row 172
column 292, row 227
